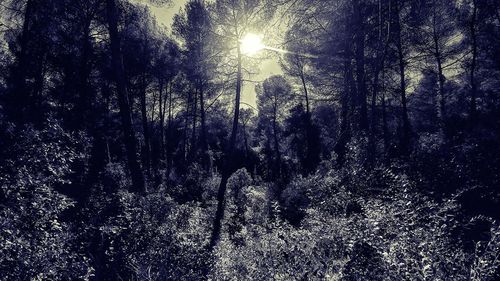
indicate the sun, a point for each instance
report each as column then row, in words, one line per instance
column 251, row 44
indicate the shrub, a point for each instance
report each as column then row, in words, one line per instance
column 35, row 243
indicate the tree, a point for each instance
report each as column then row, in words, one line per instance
column 304, row 138
column 273, row 98
column 233, row 19
column 400, row 36
column 193, row 27
column 439, row 45
column 138, row 183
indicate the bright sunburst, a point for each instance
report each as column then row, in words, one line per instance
column 251, row 44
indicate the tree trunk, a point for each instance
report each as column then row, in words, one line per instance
column 385, row 128
column 360, row 66
column 145, row 126
column 138, row 184
column 194, row 142
column 441, row 78
column 473, row 106
column 405, row 137
column 345, row 128
column 228, row 161
column 276, row 146
column 162, row 118
column 19, row 96
column 185, row 130
column 169, row 132
column 306, row 94
column 203, row 135
column 85, row 97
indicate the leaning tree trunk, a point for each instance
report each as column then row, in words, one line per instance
column 228, row 161
column 138, row 184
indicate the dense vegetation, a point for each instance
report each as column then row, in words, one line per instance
column 126, row 152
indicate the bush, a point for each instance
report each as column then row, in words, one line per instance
column 35, row 243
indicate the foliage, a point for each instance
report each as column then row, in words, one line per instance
column 373, row 155
column 36, row 242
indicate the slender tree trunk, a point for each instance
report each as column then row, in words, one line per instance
column 145, row 126
column 385, row 128
column 405, row 138
column 360, row 66
column 441, row 78
column 304, row 86
column 138, row 184
column 203, row 134
column 185, row 130
column 442, row 98
column 85, row 98
column 169, row 132
column 245, row 139
column 473, row 106
column 161, row 112
column 20, row 93
column 276, row 145
column 308, row 119
column 228, row 161
column 194, row 141
column 345, row 130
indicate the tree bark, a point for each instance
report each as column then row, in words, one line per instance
column 138, row 184
column 228, row 161
column 276, row 141
column 194, row 142
column 85, row 97
column 20, row 94
column 145, row 126
column 405, row 138
column 169, row 132
column 304, row 86
column 473, row 106
column 441, row 78
column 162, row 118
column 203, row 135
column 360, row 66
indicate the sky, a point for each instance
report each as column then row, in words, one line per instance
column 268, row 67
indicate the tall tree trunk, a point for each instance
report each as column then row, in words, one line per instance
column 309, row 124
column 245, row 139
column 85, row 98
column 405, row 137
column 186, row 127
column 304, row 86
column 161, row 113
column 360, row 66
column 23, row 55
column 169, row 132
column 276, row 145
column 228, row 161
column 194, row 142
column 441, row 78
column 138, row 184
column 203, row 135
column 473, row 90
column 145, row 126
column 385, row 128
column 345, row 128
column 19, row 98
column 383, row 44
